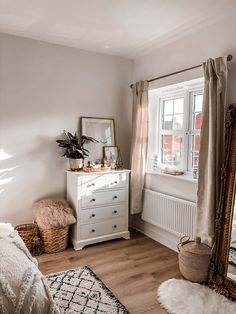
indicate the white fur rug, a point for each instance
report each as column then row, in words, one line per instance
column 184, row 297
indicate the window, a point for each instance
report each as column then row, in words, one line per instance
column 195, row 126
column 174, row 135
column 172, row 131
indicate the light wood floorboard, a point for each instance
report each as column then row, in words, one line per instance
column 132, row 269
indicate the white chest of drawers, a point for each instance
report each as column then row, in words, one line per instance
column 101, row 202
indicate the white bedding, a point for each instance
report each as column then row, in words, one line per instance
column 22, row 286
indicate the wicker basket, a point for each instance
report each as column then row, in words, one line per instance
column 194, row 259
column 28, row 232
column 54, row 240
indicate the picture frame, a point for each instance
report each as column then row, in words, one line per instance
column 101, row 129
column 110, row 153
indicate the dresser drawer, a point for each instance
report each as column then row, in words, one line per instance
column 101, row 203
column 103, row 198
column 95, row 183
column 116, row 180
column 90, row 184
column 99, row 229
column 102, row 213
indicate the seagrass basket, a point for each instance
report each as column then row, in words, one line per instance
column 55, row 239
column 194, row 259
column 28, row 232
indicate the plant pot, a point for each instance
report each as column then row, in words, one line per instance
column 76, row 164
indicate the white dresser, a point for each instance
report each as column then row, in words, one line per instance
column 101, row 203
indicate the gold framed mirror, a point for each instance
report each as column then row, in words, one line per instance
column 222, row 271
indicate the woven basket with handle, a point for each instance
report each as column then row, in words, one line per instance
column 54, row 240
column 194, row 259
column 28, row 232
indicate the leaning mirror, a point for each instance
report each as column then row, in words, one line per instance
column 231, row 272
column 103, row 130
column 222, row 274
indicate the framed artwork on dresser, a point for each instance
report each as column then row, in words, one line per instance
column 101, row 129
column 110, row 153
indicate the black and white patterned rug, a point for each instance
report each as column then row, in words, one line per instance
column 81, row 291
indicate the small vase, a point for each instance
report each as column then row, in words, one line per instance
column 76, row 164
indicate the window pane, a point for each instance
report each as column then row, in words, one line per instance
column 197, row 121
column 195, row 150
column 172, row 122
column 172, row 149
column 198, row 99
column 178, row 121
column 168, row 106
column 196, row 146
column 167, row 122
column 179, row 105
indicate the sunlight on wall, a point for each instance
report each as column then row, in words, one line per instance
column 7, row 180
column 4, row 155
column 4, row 178
column 3, row 171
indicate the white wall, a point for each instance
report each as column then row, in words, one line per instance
column 214, row 41
column 44, row 89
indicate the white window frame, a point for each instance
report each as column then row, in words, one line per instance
column 182, row 132
column 192, row 131
column 187, row 93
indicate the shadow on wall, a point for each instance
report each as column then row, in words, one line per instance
column 49, row 165
column 52, row 167
column 46, row 150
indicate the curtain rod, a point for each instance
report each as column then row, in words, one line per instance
column 229, row 58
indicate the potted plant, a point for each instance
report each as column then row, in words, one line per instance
column 74, row 149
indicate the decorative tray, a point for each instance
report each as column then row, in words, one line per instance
column 91, row 169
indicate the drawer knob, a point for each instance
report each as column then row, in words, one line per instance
column 92, row 184
column 93, row 230
column 115, row 226
column 92, row 200
column 115, row 182
column 93, row 215
column 115, row 211
column 114, row 197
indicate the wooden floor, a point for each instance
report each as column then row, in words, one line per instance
column 131, row 269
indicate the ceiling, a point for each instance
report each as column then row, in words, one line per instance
column 126, row 28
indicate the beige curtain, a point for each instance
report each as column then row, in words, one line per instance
column 211, row 147
column 138, row 144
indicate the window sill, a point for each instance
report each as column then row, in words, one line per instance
column 184, row 177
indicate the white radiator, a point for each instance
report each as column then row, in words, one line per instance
column 169, row 213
